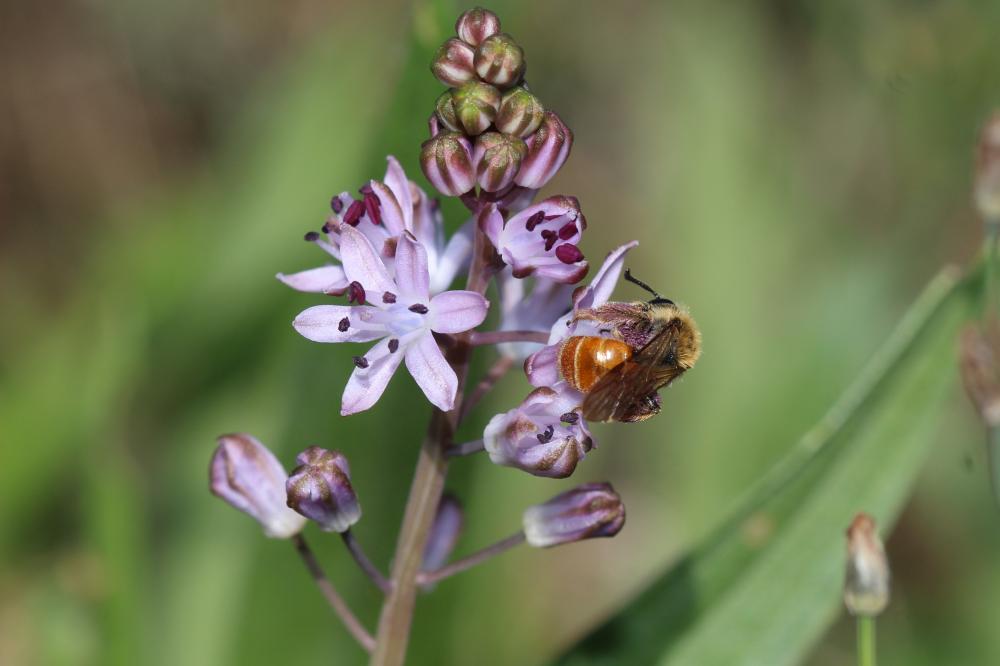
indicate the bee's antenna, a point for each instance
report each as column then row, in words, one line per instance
column 657, row 299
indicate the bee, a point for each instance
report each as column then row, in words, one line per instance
column 650, row 345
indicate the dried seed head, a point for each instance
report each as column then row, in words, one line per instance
column 476, row 24
column 453, row 63
column 500, row 61
column 585, row 512
column 320, row 489
column 866, row 581
column 520, row 113
column 987, row 188
column 497, row 158
column 476, row 105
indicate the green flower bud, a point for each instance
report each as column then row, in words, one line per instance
column 497, row 158
column 445, row 110
column 520, row 113
column 500, row 61
column 476, row 106
column 453, row 63
column 477, row 24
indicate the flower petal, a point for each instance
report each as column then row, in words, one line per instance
column 491, row 224
column 323, row 323
column 542, row 367
column 431, row 371
column 454, row 259
column 457, row 311
column 362, row 263
column 599, row 290
column 367, row 385
column 399, row 184
column 322, row 280
column 411, row 269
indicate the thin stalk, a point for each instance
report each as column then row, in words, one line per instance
column 496, row 372
column 336, row 602
column 866, row 640
column 458, row 566
column 466, row 449
column 367, row 566
column 991, row 306
column 396, row 617
column 993, row 459
column 482, row 338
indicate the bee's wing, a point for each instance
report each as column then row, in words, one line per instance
column 624, row 393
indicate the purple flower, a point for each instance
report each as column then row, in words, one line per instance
column 384, row 212
column 585, row 512
column 545, row 435
column 541, row 367
column 399, row 312
column 444, row 533
column 541, row 239
column 534, row 310
column 320, row 489
column 248, row 476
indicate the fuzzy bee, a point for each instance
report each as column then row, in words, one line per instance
column 650, row 344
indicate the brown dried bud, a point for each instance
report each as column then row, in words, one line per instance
column 500, row 61
column 476, row 105
column 476, row 24
column 497, row 158
column 978, row 365
column 520, row 113
column 987, row 190
column 866, row 581
column 453, row 63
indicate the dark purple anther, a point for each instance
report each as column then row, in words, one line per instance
column 361, row 362
column 329, row 226
column 393, row 345
column 534, row 220
column 372, row 207
column 366, row 188
column 567, row 231
column 336, row 205
column 354, row 213
column 419, row 308
column 546, row 437
column 550, row 239
column 344, row 324
column 388, row 297
column 356, row 293
column 312, row 236
column 570, row 418
column 569, row 253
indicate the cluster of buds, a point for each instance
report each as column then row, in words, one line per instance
column 488, row 129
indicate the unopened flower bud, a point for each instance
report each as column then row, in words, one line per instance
column 248, row 476
column 866, row 582
column 978, row 365
column 987, row 192
column 320, row 489
column 520, row 113
column 444, row 110
column 477, row 24
column 497, row 158
column 585, row 512
column 446, row 160
column 500, row 61
column 453, row 63
column 548, row 149
column 476, row 105
column 444, row 533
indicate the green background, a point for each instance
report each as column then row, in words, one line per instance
column 794, row 172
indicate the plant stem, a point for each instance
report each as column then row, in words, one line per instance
column 425, row 493
column 993, row 459
column 358, row 553
column 991, row 293
column 866, row 640
column 466, row 449
column 336, row 602
column 482, row 338
column 458, row 566
column 496, row 372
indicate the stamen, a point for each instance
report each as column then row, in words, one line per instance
column 372, row 207
column 553, row 217
column 550, row 239
column 569, row 253
column 570, row 418
column 388, row 297
column 546, row 437
column 419, row 308
column 356, row 293
column 336, row 205
column 360, row 362
column 329, row 225
column 534, row 221
column 312, row 236
column 344, row 324
column 567, row 231
column 393, row 345
column 354, row 213
column 366, row 188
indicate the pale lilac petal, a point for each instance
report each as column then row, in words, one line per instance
column 412, row 279
column 396, row 180
column 457, row 311
column 323, row 323
column 367, row 385
column 431, row 371
column 392, row 213
column 599, row 290
column 542, row 367
column 362, row 262
column 454, row 259
column 560, row 272
column 491, row 224
column 322, row 280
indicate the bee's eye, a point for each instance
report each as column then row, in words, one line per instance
column 670, row 358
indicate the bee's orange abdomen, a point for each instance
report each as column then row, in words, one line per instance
column 584, row 359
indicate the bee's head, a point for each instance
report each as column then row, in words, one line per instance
column 685, row 347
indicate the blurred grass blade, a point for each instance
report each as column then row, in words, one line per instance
column 765, row 584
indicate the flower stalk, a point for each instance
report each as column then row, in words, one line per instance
column 362, row 560
column 866, row 640
column 466, row 563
